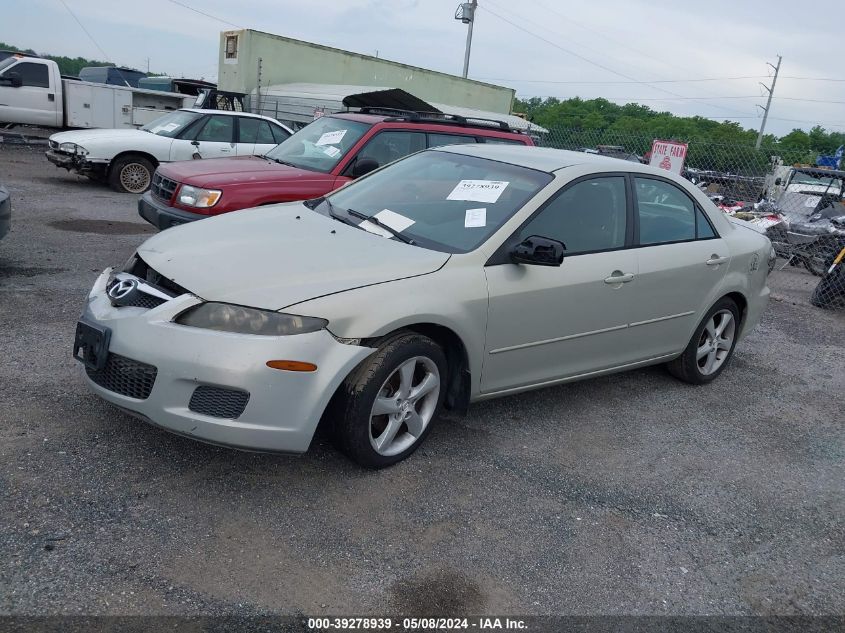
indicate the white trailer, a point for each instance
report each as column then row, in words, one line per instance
column 32, row 92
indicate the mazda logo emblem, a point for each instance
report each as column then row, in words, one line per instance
column 122, row 288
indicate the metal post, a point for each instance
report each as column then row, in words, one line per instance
column 258, row 90
column 771, row 91
column 467, row 16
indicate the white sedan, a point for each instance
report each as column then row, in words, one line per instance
column 126, row 159
column 450, row 276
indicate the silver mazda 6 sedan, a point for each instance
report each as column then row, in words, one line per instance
column 451, row 276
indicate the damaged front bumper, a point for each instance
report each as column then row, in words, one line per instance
column 76, row 162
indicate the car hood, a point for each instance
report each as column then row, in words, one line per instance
column 86, row 137
column 218, row 172
column 279, row 255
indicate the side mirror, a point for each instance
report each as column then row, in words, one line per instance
column 778, row 181
column 364, row 166
column 538, row 251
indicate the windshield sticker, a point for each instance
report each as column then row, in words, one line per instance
column 475, row 218
column 387, row 217
column 812, row 201
column 395, row 221
column 331, row 151
column 170, row 127
column 478, row 190
column 330, row 138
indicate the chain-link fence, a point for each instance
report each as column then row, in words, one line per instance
column 798, row 205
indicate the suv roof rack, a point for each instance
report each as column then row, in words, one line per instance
column 442, row 118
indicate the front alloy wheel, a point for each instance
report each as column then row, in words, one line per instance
column 385, row 408
column 405, row 405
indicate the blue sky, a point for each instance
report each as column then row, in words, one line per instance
column 538, row 47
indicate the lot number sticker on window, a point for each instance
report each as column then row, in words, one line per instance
column 475, row 217
column 331, row 150
column 812, row 201
column 331, row 138
column 478, row 190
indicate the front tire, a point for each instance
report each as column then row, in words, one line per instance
column 711, row 347
column 386, row 406
column 131, row 174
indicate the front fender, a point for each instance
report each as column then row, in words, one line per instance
column 454, row 297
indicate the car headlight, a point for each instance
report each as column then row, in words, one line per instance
column 231, row 318
column 197, row 197
column 72, row 148
column 772, row 259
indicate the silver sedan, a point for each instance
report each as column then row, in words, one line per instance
column 451, row 276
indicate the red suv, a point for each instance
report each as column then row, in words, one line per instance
column 317, row 159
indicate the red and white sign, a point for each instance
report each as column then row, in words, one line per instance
column 668, row 155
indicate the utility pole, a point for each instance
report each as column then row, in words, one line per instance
column 466, row 14
column 771, row 91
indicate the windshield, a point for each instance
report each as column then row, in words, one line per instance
column 799, row 178
column 440, row 200
column 320, row 145
column 7, row 62
column 170, row 125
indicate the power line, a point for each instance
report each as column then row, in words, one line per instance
column 82, row 26
column 208, row 15
column 583, row 58
column 91, row 37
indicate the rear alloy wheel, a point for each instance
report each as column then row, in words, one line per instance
column 711, row 347
column 131, row 174
column 385, row 408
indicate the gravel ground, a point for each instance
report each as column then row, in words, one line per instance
column 631, row 494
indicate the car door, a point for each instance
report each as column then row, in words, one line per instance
column 547, row 323
column 682, row 262
column 33, row 102
column 214, row 138
column 254, row 137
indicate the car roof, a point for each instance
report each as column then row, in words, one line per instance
column 228, row 113
column 546, row 158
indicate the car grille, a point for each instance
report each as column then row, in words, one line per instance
column 218, row 402
column 162, row 187
column 138, row 299
column 125, row 376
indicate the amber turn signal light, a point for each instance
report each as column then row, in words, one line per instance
column 291, row 365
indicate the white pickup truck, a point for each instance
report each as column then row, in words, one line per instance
column 32, row 92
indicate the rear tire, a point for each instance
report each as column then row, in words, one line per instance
column 386, row 407
column 131, row 174
column 711, row 347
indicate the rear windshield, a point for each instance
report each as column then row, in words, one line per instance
column 441, row 200
column 320, row 145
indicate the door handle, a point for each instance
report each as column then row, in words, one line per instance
column 715, row 260
column 620, row 278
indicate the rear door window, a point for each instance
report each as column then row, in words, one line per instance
column 666, row 214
